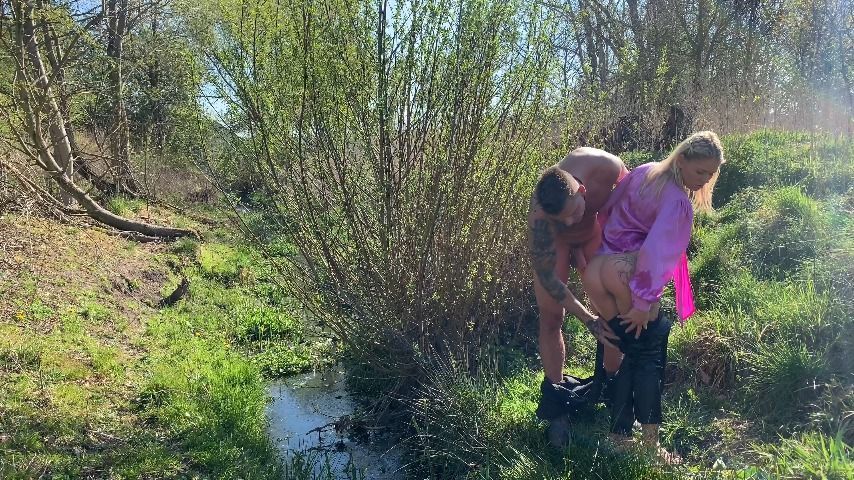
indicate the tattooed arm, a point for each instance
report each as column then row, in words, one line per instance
column 543, row 258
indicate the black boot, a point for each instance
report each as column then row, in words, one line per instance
column 559, row 432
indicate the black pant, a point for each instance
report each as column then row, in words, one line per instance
column 635, row 391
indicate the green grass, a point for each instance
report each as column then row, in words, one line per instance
column 124, row 206
column 810, row 456
column 759, row 384
column 86, row 391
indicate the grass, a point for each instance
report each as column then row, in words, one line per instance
column 125, row 206
column 811, row 456
column 95, row 382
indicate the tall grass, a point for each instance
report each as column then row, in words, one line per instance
column 810, row 456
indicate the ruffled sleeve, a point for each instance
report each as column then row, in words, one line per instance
column 662, row 249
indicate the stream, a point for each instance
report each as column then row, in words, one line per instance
column 309, row 419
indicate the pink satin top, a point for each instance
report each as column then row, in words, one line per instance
column 658, row 227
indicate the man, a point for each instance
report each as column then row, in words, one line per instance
column 563, row 232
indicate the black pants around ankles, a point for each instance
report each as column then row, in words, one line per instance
column 635, row 391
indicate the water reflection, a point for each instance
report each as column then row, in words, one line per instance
column 310, row 418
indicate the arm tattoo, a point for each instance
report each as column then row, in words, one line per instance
column 594, row 327
column 543, row 255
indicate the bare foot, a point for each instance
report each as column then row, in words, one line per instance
column 621, row 442
column 668, row 458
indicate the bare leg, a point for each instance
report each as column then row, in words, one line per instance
column 550, row 338
column 552, row 347
column 605, row 305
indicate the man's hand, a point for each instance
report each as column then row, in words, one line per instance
column 601, row 330
column 636, row 320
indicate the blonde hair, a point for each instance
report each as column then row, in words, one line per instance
column 699, row 146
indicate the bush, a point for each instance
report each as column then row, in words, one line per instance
column 410, row 245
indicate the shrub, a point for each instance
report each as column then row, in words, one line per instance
column 410, row 244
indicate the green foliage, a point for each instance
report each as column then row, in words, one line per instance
column 783, row 377
column 185, row 246
column 818, row 164
column 124, row 206
column 95, row 312
column 770, row 233
column 771, row 270
column 213, row 400
column 261, row 322
column 813, row 456
column 483, row 428
column 282, row 344
column 401, row 254
column 787, row 229
column 222, row 262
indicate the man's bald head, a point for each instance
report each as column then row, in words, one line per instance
column 554, row 188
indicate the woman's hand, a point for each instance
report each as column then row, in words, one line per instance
column 636, row 320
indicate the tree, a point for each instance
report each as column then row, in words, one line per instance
column 36, row 120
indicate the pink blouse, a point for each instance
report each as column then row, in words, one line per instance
column 634, row 219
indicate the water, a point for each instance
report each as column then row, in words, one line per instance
column 310, row 417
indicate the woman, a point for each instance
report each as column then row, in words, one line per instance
column 647, row 227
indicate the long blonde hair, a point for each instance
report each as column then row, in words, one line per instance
column 699, row 146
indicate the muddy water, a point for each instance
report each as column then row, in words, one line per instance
column 304, row 414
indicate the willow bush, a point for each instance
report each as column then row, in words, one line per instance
column 396, row 146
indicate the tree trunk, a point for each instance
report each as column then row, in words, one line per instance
column 120, row 143
column 40, row 108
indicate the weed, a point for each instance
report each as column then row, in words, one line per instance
column 213, row 400
column 95, row 312
column 185, row 246
column 223, row 263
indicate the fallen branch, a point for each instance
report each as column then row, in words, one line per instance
column 176, row 295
